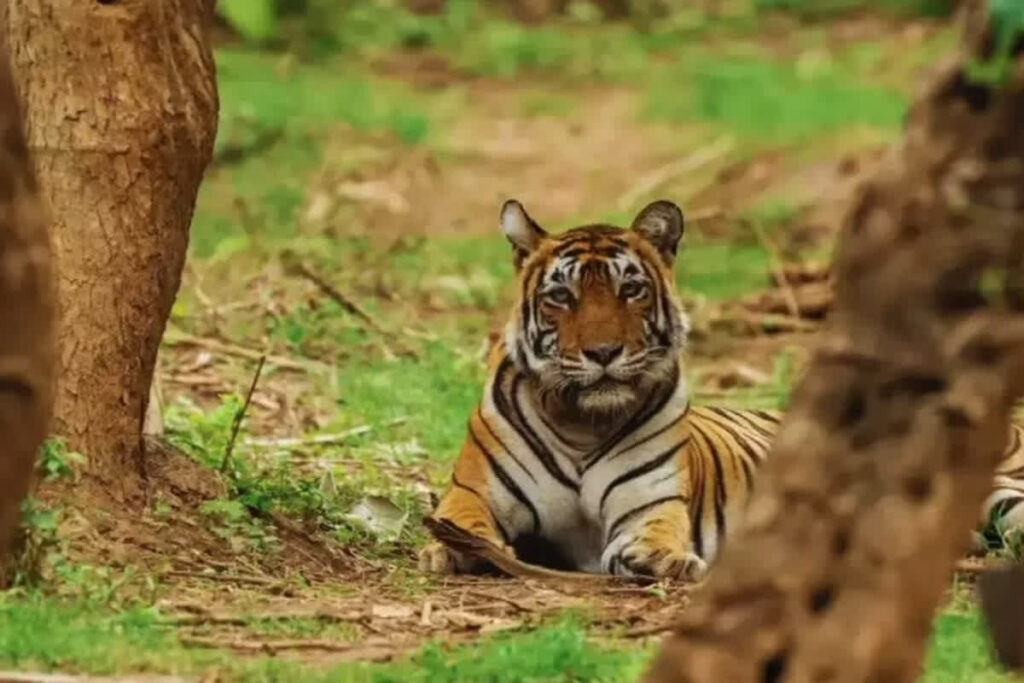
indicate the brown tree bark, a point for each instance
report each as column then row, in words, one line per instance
column 26, row 314
column 120, row 104
column 882, row 463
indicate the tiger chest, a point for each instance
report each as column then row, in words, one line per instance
column 569, row 537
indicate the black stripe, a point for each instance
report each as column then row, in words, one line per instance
column 653, row 435
column 742, row 440
column 1007, row 504
column 558, row 435
column 663, row 305
column 745, row 419
column 748, row 475
column 511, row 411
column 509, row 483
column 994, row 529
column 506, row 449
column 698, row 514
column 487, row 504
column 640, row 470
column 570, row 248
column 654, row 405
column 716, row 459
column 770, row 417
column 614, row 529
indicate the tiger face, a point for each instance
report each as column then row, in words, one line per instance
column 598, row 324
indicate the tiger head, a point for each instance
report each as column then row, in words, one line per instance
column 598, row 324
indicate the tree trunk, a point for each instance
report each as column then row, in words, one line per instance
column 879, row 471
column 121, row 107
column 26, row 314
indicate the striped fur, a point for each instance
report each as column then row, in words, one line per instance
column 585, row 451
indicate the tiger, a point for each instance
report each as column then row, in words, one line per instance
column 585, row 451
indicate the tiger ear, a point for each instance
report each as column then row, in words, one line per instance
column 521, row 230
column 661, row 224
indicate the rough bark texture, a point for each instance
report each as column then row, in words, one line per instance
column 26, row 314
column 120, row 104
column 879, row 471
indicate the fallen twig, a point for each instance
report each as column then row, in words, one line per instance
column 975, row 566
column 364, row 651
column 463, row 541
column 336, row 562
column 236, row 423
column 177, row 338
column 294, row 266
column 762, row 321
column 501, row 598
column 229, row 578
column 779, row 272
column 651, row 181
column 647, row 630
column 320, row 439
column 245, row 619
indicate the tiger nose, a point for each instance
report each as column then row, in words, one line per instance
column 603, row 354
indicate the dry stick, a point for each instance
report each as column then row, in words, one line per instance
column 294, row 266
column 177, row 338
column 240, row 415
column 651, row 181
column 320, row 439
column 501, row 598
column 463, row 541
column 228, row 578
column 775, row 263
column 245, row 619
column 364, row 651
column 648, row 630
column 784, row 323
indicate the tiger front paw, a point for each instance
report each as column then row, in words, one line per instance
column 639, row 560
column 437, row 558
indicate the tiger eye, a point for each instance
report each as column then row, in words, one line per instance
column 560, row 296
column 632, row 290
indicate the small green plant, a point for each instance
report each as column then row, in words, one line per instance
column 782, row 378
column 234, row 523
column 56, row 461
column 36, row 543
column 202, row 434
column 260, row 487
column 1007, row 20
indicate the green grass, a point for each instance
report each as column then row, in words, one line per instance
column 776, row 102
column 821, row 9
column 39, row 633
column 960, row 651
column 435, row 393
column 721, row 270
column 262, row 91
